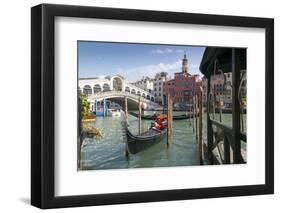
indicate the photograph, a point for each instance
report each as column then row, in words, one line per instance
column 141, row 105
column 160, row 105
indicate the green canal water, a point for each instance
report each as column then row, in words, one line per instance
column 109, row 152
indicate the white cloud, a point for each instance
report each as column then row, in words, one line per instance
column 166, row 51
column 194, row 65
column 150, row 70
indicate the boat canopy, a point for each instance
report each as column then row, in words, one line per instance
column 223, row 56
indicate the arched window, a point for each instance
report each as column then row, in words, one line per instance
column 117, row 84
column 133, row 91
column 105, row 87
column 97, row 88
column 152, row 99
column 138, row 93
column 143, row 95
column 148, row 97
column 87, row 90
column 127, row 89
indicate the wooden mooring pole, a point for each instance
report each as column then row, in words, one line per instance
column 196, row 118
column 193, row 110
column 200, row 140
column 169, row 119
column 209, row 123
column 189, row 114
column 139, row 119
column 220, row 108
column 126, row 109
column 214, row 105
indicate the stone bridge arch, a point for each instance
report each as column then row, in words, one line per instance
column 87, row 90
column 97, row 88
column 105, row 87
column 117, row 83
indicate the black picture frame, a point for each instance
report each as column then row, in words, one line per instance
column 43, row 105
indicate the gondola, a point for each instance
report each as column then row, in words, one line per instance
column 151, row 117
column 137, row 143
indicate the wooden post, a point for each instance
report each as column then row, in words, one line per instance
column 220, row 108
column 193, row 110
column 242, row 118
column 104, row 107
column 226, row 149
column 196, row 118
column 209, row 125
column 126, row 109
column 236, row 61
column 139, row 120
column 214, row 104
column 169, row 119
column 189, row 114
column 200, row 127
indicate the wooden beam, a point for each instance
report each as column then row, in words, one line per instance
column 226, row 149
column 193, row 111
column 209, row 125
column 169, row 119
column 139, row 118
column 126, row 109
column 196, row 118
column 236, row 67
column 200, row 127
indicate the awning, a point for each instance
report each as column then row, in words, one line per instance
column 223, row 57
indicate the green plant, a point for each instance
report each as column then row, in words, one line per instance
column 85, row 105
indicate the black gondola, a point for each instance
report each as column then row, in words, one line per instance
column 152, row 117
column 137, row 143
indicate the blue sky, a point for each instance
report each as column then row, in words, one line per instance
column 133, row 61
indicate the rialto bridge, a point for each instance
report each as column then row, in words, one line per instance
column 115, row 88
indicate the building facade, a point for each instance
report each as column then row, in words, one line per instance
column 153, row 85
column 145, row 83
column 183, row 87
column 158, row 87
column 221, row 86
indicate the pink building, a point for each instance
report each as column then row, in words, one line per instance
column 184, row 86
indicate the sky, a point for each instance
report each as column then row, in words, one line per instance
column 133, row 61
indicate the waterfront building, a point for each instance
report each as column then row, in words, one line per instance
column 158, row 85
column 145, row 83
column 153, row 85
column 221, row 86
column 183, row 87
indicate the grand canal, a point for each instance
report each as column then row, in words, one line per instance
column 109, row 152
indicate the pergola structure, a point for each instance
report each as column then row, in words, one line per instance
column 224, row 60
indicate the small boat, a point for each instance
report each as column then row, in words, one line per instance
column 152, row 117
column 137, row 143
column 99, row 113
column 113, row 112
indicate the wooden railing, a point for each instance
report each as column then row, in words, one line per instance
column 221, row 144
